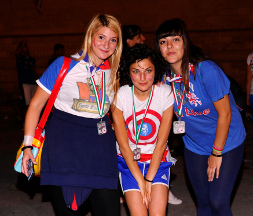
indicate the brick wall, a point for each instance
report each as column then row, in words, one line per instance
column 224, row 28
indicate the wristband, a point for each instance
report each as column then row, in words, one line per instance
column 217, row 149
column 148, row 180
column 28, row 140
column 25, row 147
column 216, row 155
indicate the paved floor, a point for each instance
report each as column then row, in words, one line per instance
column 20, row 198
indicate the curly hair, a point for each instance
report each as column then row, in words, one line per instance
column 137, row 53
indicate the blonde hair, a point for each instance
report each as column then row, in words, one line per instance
column 113, row 24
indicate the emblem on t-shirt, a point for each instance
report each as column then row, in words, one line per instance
column 87, row 101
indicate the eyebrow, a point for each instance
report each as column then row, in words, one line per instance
column 105, row 35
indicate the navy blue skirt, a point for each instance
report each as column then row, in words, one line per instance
column 75, row 155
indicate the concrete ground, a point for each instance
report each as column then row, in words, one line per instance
column 20, row 198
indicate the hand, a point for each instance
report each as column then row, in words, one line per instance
column 214, row 164
column 27, row 154
column 148, row 191
column 142, row 186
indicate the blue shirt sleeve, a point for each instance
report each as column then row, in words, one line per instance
column 215, row 81
column 49, row 77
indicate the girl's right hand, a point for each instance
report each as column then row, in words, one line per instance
column 142, row 186
column 27, row 154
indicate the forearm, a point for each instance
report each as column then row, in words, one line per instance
column 155, row 161
column 33, row 113
column 162, row 138
column 223, row 123
column 122, row 139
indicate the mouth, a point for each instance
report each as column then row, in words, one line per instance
column 104, row 51
column 143, row 84
column 171, row 53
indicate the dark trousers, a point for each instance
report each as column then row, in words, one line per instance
column 103, row 202
column 213, row 198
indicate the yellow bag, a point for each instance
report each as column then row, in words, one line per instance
column 38, row 142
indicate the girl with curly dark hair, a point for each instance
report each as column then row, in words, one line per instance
column 142, row 120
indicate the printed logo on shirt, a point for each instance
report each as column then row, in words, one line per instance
column 193, row 99
column 149, row 128
column 87, row 101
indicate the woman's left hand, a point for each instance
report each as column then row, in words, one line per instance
column 214, row 164
column 148, row 191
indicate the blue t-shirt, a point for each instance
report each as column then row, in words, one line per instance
column 199, row 113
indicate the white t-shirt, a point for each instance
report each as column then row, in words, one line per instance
column 161, row 100
column 250, row 63
column 76, row 95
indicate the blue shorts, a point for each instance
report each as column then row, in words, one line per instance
column 128, row 181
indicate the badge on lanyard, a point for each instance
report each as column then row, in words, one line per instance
column 178, row 126
column 137, row 151
column 101, row 127
column 100, row 103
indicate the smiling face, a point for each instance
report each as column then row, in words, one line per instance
column 172, row 49
column 104, row 43
column 142, row 74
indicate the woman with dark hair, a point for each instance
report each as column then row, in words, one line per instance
column 142, row 119
column 214, row 131
column 131, row 35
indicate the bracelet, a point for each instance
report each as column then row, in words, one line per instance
column 25, row 147
column 216, row 155
column 28, row 140
column 217, row 149
column 148, row 180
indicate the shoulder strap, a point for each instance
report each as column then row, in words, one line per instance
column 54, row 93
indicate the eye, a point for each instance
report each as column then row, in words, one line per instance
column 148, row 71
column 101, row 37
column 114, row 40
column 135, row 71
column 162, row 42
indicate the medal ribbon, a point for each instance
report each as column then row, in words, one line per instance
column 180, row 106
column 100, row 101
column 137, row 133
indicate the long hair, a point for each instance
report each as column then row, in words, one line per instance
column 192, row 53
column 113, row 24
column 137, row 53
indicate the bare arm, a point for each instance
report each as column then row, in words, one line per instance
column 162, row 138
column 248, row 83
column 224, row 112
column 122, row 139
column 31, row 121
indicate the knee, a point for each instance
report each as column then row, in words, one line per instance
column 219, row 205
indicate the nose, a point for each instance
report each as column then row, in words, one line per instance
column 142, row 76
column 106, row 44
column 142, row 38
column 170, row 44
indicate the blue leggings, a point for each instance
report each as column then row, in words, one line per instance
column 213, row 198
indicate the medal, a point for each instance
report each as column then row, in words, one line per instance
column 178, row 126
column 136, row 154
column 137, row 151
column 100, row 103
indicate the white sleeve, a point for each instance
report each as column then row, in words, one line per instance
column 119, row 99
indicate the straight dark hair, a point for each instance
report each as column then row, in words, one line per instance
column 192, row 54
